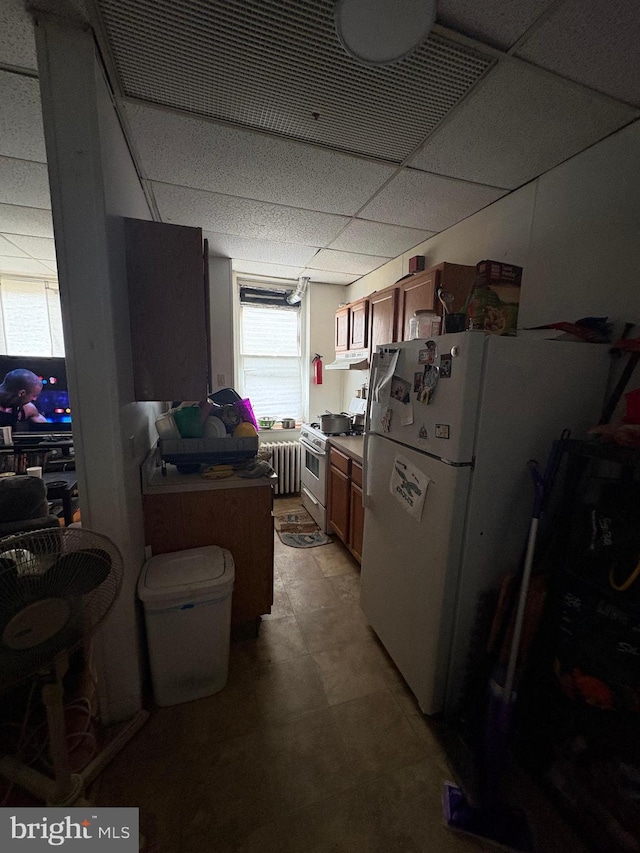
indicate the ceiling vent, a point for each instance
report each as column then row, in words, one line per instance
column 279, row 66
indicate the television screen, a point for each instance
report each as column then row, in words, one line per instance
column 53, row 401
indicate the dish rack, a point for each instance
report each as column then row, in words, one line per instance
column 190, row 453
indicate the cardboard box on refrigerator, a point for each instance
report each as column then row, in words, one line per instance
column 495, row 299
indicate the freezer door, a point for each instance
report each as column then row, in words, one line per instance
column 410, row 564
column 442, row 422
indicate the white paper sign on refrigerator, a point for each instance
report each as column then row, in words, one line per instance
column 409, row 486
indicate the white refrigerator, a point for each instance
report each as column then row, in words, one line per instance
column 448, row 495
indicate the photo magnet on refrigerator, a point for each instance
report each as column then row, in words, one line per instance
column 442, row 430
column 428, row 355
column 445, row 366
column 406, row 417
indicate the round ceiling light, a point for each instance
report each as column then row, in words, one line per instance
column 378, row 32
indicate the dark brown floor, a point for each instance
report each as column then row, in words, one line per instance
column 314, row 746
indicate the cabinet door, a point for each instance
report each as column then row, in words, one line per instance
column 356, row 521
column 416, row 294
column 383, row 308
column 338, row 508
column 177, row 521
column 342, row 329
column 168, row 315
column 359, row 324
column 457, row 279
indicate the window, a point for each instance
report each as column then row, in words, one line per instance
column 30, row 317
column 269, row 353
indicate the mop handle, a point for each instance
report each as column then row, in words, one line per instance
column 539, row 485
column 542, row 486
column 522, row 600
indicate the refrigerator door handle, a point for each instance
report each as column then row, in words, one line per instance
column 367, row 425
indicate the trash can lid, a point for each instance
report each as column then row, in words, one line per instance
column 191, row 573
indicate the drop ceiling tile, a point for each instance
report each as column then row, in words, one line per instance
column 41, row 248
column 593, row 42
column 15, row 219
column 280, row 66
column 493, row 21
column 22, row 130
column 228, row 246
column 244, row 218
column 374, row 238
column 347, row 262
column 327, row 277
column 8, row 249
column 419, row 200
column 191, row 152
column 23, row 266
column 268, row 270
column 17, row 42
column 24, row 182
column 517, row 124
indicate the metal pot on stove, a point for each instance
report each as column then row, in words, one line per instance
column 334, row 424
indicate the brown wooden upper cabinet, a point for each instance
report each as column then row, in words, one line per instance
column 352, row 326
column 383, row 311
column 359, row 324
column 420, row 292
column 342, row 329
column 167, row 283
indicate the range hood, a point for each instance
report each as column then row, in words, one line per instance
column 353, row 359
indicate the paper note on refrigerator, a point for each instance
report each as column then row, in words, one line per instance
column 385, row 365
column 409, row 486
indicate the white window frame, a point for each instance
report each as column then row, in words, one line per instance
column 271, row 284
column 50, row 289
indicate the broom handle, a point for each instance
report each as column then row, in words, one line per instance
column 524, row 590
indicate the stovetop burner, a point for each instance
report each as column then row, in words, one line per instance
column 317, row 427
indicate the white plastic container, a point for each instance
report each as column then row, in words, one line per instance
column 187, row 607
column 166, row 426
column 424, row 324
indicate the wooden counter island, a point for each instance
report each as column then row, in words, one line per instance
column 184, row 511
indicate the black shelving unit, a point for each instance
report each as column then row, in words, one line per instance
column 578, row 714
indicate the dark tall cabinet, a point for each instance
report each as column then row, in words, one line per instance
column 168, row 306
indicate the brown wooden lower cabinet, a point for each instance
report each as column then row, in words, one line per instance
column 346, row 512
column 356, row 522
column 239, row 520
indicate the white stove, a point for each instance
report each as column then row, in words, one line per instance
column 315, row 465
column 315, row 435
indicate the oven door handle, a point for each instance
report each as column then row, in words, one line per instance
column 312, row 449
column 311, row 497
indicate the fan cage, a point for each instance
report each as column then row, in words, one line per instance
column 70, row 571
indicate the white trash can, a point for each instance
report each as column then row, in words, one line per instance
column 187, row 607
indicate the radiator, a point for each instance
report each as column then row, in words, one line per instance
column 285, row 458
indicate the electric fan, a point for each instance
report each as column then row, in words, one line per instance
column 56, row 587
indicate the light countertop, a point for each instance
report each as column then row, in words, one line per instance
column 352, row 445
column 154, row 483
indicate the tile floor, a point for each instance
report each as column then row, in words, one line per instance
column 314, row 746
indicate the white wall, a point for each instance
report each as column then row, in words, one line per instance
column 575, row 231
column 93, row 185
column 221, row 322
column 323, row 300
